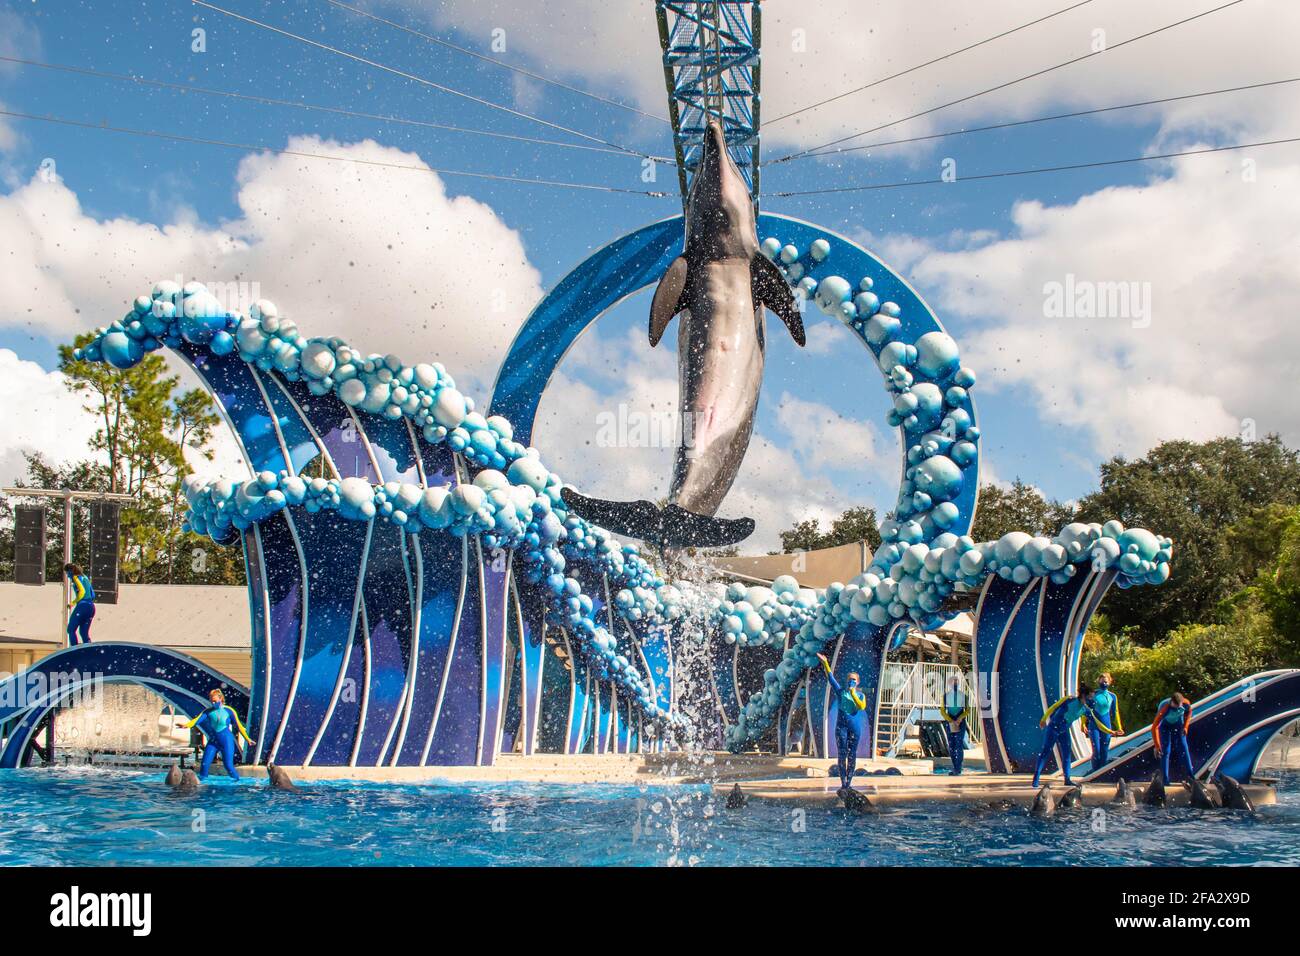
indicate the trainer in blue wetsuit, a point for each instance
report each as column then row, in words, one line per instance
column 219, row 724
column 1169, row 733
column 1103, row 722
column 1056, row 736
column 81, row 608
column 850, row 707
column 956, row 711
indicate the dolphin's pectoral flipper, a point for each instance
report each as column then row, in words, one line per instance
column 669, row 299
column 771, row 289
column 673, row 527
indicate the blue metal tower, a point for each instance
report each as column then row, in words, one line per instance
column 711, row 71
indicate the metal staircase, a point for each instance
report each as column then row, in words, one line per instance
column 910, row 693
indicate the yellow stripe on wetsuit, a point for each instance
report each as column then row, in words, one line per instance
column 233, row 713
column 854, row 695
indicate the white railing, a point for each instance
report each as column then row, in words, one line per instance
column 906, row 690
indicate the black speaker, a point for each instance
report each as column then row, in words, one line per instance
column 103, row 550
column 29, row 544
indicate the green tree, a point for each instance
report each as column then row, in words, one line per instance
column 1196, row 659
column 198, row 559
column 1269, row 541
column 1194, row 493
column 1105, row 646
column 856, row 524
column 132, row 407
column 146, row 430
column 83, row 475
column 804, row 536
column 1021, row 507
column 190, row 423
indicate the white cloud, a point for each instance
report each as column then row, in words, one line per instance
column 777, row 490
column 783, row 478
column 614, row 45
column 40, row 415
column 822, row 338
column 382, row 257
column 1218, row 256
column 815, row 51
column 826, row 439
column 598, row 385
column 19, row 37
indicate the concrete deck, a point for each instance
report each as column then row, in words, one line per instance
column 973, row 789
column 759, row 777
column 647, row 769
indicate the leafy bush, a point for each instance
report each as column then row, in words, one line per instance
column 1196, row 659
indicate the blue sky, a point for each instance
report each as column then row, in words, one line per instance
column 1214, row 247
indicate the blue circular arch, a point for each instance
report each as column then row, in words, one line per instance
column 182, row 680
column 638, row 259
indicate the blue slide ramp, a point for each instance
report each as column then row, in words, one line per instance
column 27, row 697
column 1027, row 645
column 1230, row 730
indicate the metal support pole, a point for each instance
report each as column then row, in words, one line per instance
column 67, row 559
column 756, row 29
column 68, row 496
column 674, row 110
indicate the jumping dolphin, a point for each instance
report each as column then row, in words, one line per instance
column 736, row 798
column 719, row 284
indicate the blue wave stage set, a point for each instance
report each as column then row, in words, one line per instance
column 432, row 600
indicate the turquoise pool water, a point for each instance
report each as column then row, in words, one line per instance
column 88, row 816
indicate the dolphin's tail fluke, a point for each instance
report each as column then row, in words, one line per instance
column 670, row 527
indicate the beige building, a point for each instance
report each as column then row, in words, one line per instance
column 818, row 569
column 207, row 622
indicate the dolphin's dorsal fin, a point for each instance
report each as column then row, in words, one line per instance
column 770, row 289
column 668, row 299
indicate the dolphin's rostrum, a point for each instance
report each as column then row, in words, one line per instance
column 719, row 285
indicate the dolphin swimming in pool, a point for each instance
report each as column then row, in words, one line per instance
column 719, row 285
column 1044, row 804
column 278, row 779
column 1234, row 796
